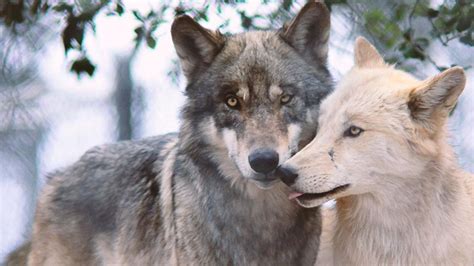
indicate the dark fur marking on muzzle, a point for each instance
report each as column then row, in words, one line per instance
column 331, row 154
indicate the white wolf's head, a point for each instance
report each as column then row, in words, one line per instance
column 380, row 125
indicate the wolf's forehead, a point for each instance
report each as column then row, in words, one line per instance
column 254, row 39
column 345, row 107
column 251, row 49
column 259, row 59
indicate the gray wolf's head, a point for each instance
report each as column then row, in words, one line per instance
column 379, row 128
column 254, row 96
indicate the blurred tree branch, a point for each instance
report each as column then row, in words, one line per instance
column 390, row 24
column 410, row 27
column 22, row 124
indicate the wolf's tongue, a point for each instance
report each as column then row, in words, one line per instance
column 294, row 195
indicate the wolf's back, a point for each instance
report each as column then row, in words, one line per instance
column 84, row 204
column 19, row 256
column 97, row 183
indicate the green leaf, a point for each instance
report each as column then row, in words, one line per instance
column 400, row 12
column 422, row 42
column 140, row 31
column 11, row 12
column 83, row 65
column 74, row 31
column 137, row 15
column 151, row 42
column 330, row 3
column 155, row 23
column 45, row 7
column 119, row 9
column 441, row 68
column 286, row 5
column 63, row 7
column 246, row 21
column 416, row 54
column 467, row 39
column 432, row 13
column 374, row 16
column 464, row 23
column 409, row 51
column 408, row 34
column 450, row 23
column 151, row 14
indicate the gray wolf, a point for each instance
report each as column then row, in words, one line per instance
column 19, row 256
column 206, row 195
column 381, row 151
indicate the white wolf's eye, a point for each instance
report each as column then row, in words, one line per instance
column 285, row 98
column 353, row 132
column 232, row 102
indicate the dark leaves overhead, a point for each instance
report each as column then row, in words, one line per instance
column 83, row 65
column 11, row 12
column 391, row 26
column 73, row 34
column 63, row 7
column 395, row 29
column 148, row 25
column 78, row 20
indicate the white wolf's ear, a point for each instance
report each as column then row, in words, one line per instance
column 366, row 55
column 437, row 96
column 195, row 45
column 308, row 32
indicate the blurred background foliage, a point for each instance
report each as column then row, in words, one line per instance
column 392, row 25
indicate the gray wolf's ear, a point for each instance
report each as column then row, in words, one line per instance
column 195, row 45
column 366, row 55
column 308, row 32
column 437, row 96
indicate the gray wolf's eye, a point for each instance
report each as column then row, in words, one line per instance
column 285, row 98
column 232, row 102
column 353, row 132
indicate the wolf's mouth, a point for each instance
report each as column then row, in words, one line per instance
column 312, row 196
column 314, row 199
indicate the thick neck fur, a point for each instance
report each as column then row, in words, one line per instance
column 425, row 219
column 237, row 221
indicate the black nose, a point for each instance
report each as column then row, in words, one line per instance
column 287, row 175
column 263, row 160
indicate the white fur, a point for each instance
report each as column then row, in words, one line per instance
column 408, row 201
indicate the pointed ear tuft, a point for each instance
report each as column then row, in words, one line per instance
column 195, row 45
column 308, row 32
column 437, row 96
column 366, row 55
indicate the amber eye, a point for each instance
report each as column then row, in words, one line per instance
column 285, row 98
column 232, row 102
column 353, row 132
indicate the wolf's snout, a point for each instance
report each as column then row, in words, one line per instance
column 263, row 160
column 287, row 175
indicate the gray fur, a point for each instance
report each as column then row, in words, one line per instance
column 181, row 198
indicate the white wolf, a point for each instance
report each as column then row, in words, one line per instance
column 381, row 151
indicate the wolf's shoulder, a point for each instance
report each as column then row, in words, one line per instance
column 92, row 189
column 130, row 152
column 117, row 158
